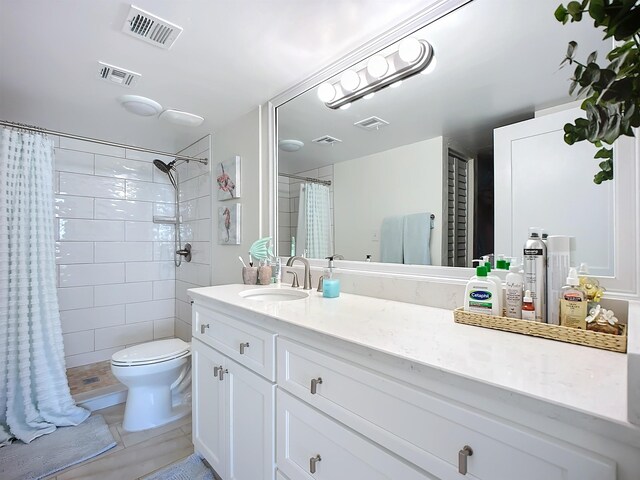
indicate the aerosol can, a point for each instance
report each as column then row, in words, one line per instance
column 535, row 272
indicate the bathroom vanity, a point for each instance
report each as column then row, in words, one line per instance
column 363, row 388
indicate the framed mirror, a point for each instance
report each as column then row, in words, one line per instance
column 461, row 159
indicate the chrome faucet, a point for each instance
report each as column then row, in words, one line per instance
column 307, row 270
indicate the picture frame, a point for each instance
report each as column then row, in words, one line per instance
column 228, row 179
column 229, row 224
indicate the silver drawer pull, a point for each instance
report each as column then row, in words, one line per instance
column 312, row 463
column 216, row 370
column 314, row 385
column 463, row 454
column 222, row 372
column 243, row 346
column 203, row 327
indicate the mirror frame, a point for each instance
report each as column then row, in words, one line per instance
column 625, row 284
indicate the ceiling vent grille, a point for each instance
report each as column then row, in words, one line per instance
column 371, row 123
column 151, row 28
column 121, row 76
column 326, row 140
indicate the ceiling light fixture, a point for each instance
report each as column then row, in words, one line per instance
column 290, row 145
column 411, row 57
column 138, row 105
column 178, row 117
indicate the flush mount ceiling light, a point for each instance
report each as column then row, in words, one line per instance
column 411, row 57
column 138, row 105
column 290, row 145
column 178, row 117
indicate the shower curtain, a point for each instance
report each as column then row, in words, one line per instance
column 314, row 221
column 34, row 393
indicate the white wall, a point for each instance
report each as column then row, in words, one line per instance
column 400, row 181
column 115, row 266
column 241, row 137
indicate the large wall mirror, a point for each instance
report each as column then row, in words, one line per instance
column 471, row 149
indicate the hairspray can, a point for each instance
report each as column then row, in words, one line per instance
column 535, row 272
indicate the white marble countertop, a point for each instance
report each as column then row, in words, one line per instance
column 584, row 379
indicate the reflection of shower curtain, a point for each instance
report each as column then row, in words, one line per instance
column 34, row 393
column 314, row 221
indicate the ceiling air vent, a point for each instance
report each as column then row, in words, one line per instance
column 371, row 123
column 326, row 140
column 151, row 28
column 118, row 75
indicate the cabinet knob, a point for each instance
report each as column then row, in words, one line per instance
column 312, row 463
column 463, row 454
column 222, row 372
column 203, row 327
column 243, row 346
column 314, row 384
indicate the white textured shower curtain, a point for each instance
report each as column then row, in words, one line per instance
column 314, row 221
column 34, row 393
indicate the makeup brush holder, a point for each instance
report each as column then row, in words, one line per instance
column 250, row 275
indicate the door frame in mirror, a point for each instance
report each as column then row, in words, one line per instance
column 625, row 284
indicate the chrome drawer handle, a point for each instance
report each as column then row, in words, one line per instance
column 222, row 372
column 314, row 385
column 312, row 463
column 216, row 370
column 463, row 454
column 243, row 346
column 203, row 327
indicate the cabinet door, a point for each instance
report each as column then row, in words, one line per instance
column 209, row 427
column 250, row 410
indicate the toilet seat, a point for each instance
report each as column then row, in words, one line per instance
column 151, row 353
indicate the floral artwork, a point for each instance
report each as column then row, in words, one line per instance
column 229, row 225
column 228, row 178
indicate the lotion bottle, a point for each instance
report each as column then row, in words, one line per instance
column 496, row 279
column 481, row 295
column 513, row 292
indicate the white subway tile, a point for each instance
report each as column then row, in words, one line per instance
column 74, row 252
column 163, row 328
column 123, row 210
column 163, row 251
column 196, row 187
column 67, row 206
column 188, row 210
column 148, row 232
column 96, row 274
column 75, row 297
column 150, row 192
column 78, row 342
column 89, row 357
column 284, row 219
column 154, row 310
column 72, row 161
column 91, row 186
column 183, row 311
column 123, row 168
column 164, row 289
column 201, row 252
column 182, row 330
column 148, row 271
column 181, row 290
column 91, row 318
column 79, row 230
column 123, row 293
column 164, row 209
column 83, row 146
column 124, row 335
column 196, row 273
column 146, row 157
column 187, row 231
column 109, row 252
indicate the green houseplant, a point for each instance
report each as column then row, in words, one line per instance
column 612, row 92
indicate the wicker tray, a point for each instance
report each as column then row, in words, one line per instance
column 605, row 341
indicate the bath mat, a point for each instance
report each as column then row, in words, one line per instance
column 54, row 452
column 191, row 468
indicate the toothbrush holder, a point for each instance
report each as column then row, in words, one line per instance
column 250, row 275
column 264, row 275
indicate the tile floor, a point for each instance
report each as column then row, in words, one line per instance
column 137, row 454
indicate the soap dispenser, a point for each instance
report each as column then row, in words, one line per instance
column 330, row 285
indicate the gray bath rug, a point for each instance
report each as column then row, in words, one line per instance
column 54, row 452
column 191, row 468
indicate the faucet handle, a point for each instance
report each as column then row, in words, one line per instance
column 320, row 284
column 295, row 283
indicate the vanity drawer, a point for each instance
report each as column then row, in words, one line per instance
column 250, row 346
column 425, row 429
column 305, row 434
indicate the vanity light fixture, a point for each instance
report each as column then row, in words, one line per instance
column 412, row 56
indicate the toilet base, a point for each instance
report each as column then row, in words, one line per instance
column 137, row 423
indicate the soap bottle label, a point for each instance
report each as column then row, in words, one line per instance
column 573, row 312
column 480, row 302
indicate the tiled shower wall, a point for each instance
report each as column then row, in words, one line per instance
column 115, row 266
column 196, row 229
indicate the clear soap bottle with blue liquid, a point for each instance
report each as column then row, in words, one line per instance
column 330, row 285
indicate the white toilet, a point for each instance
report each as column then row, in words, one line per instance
column 158, row 375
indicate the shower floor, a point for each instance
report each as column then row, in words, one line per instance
column 94, row 386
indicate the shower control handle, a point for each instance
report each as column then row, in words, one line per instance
column 185, row 252
column 243, row 346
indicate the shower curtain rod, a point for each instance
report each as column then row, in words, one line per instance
column 32, row 128
column 306, row 179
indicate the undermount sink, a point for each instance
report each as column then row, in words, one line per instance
column 274, row 294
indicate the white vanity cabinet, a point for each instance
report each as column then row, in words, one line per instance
column 233, row 406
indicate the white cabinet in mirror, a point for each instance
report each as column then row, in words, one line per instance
column 456, row 163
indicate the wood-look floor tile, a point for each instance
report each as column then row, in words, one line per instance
column 187, row 429
column 133, row 438
column 112, row 415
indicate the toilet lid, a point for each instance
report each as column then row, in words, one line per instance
column 158, row 351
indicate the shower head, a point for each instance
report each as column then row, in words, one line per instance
column 166, row 168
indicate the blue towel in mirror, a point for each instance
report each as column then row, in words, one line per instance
column 391, row 233
column 417, row 233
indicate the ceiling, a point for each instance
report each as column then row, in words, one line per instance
column 231, row 57
column 497, row 63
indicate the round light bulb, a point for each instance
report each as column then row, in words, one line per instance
column 350, row 80
column 377, row 66
column 409, row 49
column 346, row 106
column 369, row 95
column 326, row 92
